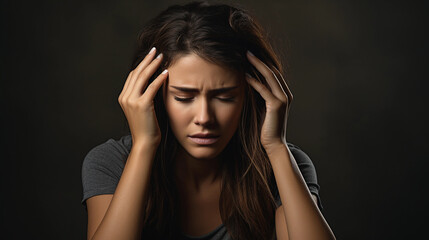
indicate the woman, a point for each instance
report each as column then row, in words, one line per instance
column 207, row 156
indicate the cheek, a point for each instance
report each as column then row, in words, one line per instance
column 230, row 116
column 175, row 113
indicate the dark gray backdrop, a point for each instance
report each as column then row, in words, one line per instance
column 357, row 70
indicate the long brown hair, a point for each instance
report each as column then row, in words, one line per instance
column 221, row 34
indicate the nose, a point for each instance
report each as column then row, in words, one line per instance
column 204, row 115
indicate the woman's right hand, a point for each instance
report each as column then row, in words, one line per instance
column 137, row 102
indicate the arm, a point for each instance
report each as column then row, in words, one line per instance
column 281, row 230
column 123, row 216
column 302, row 218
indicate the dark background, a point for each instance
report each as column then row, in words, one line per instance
column 357, row 69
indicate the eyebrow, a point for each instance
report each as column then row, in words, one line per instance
column 193, row 90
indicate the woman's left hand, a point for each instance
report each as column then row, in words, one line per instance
column 277, row 100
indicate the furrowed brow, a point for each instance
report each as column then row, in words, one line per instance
column 194, row 90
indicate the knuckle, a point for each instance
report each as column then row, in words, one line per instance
column 284, row 98
column 137, row 104
column 120, row 99
column 266, row 72
column 150, row 87
column 280, row 104
column 129, row 102
column 143, row 75
column 144, row 101
column 130, row 75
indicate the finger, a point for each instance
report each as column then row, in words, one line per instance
column 143, row 77
column 290, row 98
column 145, row 61
column 266, row 94
column 152, row 89
column 135, row 73
column 288, row 92
column 124, row 89
column 142, row 65
column 269, row 75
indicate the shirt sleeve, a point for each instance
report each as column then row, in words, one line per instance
column 308, row 171
column 102, row 168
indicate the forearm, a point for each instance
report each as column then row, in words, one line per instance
column 123, row 218
column 303, row 218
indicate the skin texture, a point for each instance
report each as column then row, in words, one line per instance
column 197, row 166
column 204, row 111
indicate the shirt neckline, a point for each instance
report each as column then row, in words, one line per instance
column 205, row 235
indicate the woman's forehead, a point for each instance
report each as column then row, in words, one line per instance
column 195, row 72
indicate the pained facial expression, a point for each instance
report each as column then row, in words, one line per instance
column 202, row 110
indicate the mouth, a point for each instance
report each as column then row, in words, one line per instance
column 204, row 140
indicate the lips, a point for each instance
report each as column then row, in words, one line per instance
column 204, row 141
column 204, row 135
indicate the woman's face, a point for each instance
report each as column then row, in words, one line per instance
column 195, row 103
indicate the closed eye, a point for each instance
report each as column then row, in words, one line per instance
column 231, row 99
column 182, row 99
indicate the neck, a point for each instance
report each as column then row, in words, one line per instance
column 196, row 174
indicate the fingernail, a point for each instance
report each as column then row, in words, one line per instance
column 151, row 51
column 165, row 71
column 248, row 75
column 250, row 53
column 159, row 55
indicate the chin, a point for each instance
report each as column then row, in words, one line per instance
column 203, row 153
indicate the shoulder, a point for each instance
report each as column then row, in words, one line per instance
column 305, row 164
column 108, row 153
column 300, row 156
column 103, row 165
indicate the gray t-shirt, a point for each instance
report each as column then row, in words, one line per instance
column 103, row 165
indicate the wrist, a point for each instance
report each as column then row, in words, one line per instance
column 274, row 148
column 145, row 146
